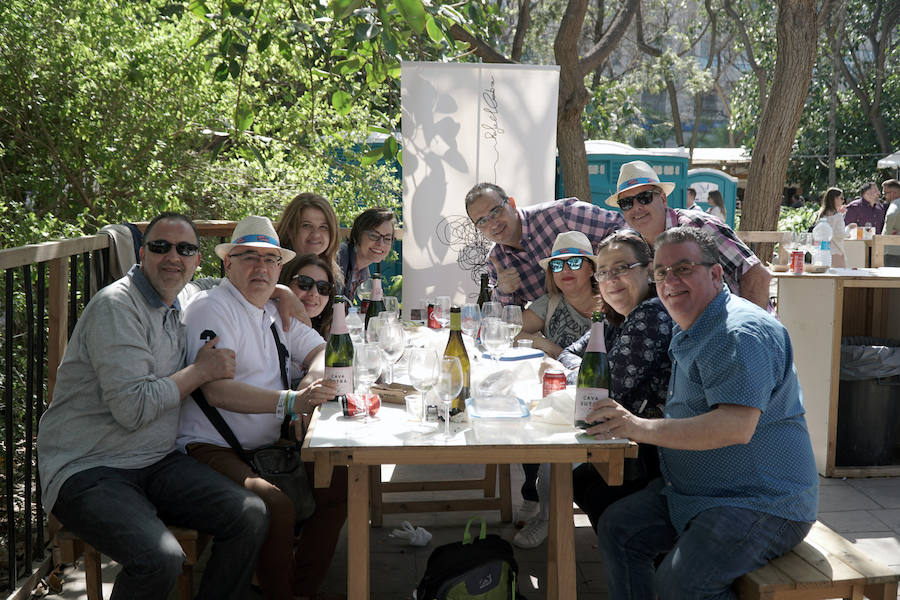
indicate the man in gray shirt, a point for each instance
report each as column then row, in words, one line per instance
column 108, row 465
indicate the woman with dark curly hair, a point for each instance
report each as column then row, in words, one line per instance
column 371, row 238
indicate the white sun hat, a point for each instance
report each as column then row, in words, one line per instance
column 255, row 232
column 568, row 244
column 635, row 173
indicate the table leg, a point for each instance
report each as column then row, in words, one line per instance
column 358, row 533
column 561, row 535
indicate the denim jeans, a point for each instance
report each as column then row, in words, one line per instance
column 718, row 546
column 121, row 513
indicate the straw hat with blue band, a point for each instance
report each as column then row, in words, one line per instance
column 634, row 174
column 570, row 243
column 255, row 232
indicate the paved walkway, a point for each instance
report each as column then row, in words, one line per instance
column 866, row 511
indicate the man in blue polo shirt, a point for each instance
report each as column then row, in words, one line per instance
column 739, row 484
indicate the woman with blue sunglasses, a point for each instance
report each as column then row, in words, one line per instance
column 563, row 314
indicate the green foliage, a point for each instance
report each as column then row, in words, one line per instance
column 797, row 219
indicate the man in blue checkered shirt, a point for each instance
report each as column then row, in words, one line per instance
column 523, row 235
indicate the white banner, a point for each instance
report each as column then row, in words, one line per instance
column 464, row 124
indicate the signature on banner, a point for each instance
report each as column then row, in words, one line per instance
column 492, row 129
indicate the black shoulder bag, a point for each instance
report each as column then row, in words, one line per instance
column 277, row 463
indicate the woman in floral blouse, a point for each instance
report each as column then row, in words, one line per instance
column 637, row 331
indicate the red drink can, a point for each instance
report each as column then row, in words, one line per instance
column 797, row 261
column 356, row 405
column 553, row 381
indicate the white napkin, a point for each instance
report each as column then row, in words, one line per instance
column 558, row 409
column 416, row 536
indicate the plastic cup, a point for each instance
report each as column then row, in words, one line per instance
column 523, row 343
column 414, row 408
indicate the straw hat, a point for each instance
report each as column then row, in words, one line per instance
column 255, row 232
column 570, row 243
column 635, row 173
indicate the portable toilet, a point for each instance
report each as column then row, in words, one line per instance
column 605, row 158
column 706, row 180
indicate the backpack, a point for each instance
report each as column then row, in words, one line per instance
column 480, row 569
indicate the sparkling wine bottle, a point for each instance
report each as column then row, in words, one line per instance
column 339, row 350
column 593, row 375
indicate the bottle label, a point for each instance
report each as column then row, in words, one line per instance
column 584, row 403
column 343, row 376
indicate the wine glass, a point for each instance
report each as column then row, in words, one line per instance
column 367, row 367
column 442, row 310
column 512, row 316
column 491, row 310
column 423, row 371
column 356, row 325
column 391, row 307
column 374, row 328
column 449, row 384
column 495, row 337
column 470, row 319
column 391, row 341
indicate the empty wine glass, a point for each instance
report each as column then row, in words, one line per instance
column 512, row 316
column 373, row 328
column 495, row 337
column 367, row 367
column 442, row 310
column 391, row 341
column 491, row 310
column 449, row 384
column 423, row 371
column 391, row 307
column 470, row 319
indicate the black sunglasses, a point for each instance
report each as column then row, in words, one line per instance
column 163, row 247
column 305, row 283
column 644, row 198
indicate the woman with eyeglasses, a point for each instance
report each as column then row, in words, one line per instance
column 310, row 277
column 563, row 314
column 638, row 330
column 371, row 238
column 309, row 225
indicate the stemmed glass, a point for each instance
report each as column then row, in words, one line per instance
column 470, row 319
column 374, row 328
column 512, row 316
column 367, row 366
column 495, row 337
column 391, row 307
column 423, row 371
column 449, row 384
column 391, row 340
column 491, row 310
column 442, row 310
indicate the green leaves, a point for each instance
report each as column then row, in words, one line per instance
column 341, row 101
column 413, row 13
column 344, row 8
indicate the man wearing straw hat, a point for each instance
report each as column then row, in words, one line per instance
column 239, row 311
column 108, row 462
column 641, row 197
column 522, row 234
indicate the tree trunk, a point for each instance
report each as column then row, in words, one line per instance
column 676, row 114
column 796, row 34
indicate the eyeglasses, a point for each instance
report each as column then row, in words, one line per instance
column 305, row 283
column 616, row 272
column 483, row 221
column 163, row 247
column 680, row 270
column 376, row 237
column 267, row 260
column 574, row 262
column 644, row 198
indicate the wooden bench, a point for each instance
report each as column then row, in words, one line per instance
column 824, row 566
column 71, row 547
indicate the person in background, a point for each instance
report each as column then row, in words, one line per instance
column 563, row 314
column 642, row 199
column 866, row 209
column 371, row 238
column 308, row 225
column 692, row 200
column 739, row 485
column 891, row 191
column 311, row 279
column 637, row 332
column 832, row 211
column 522, row 234
column 109, row 467
column 717, row 205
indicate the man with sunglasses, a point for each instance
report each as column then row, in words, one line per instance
column 108, row 463
column 521, row 234
column 739, row 485
column 642, row 199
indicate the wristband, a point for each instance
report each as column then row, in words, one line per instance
column 279, row 407
column 289, row 406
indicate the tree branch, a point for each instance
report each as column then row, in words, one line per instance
column 522, row 25
column 480, row 48
column 601, row 50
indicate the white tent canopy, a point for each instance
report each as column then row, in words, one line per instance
column 891, row 161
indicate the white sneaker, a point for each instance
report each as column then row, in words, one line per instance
column 533, row 534
column 526, row 511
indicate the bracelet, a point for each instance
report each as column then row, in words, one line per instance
column 289, row 407
column 279, row 407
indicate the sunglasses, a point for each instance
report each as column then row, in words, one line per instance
column 574, row 262
column 305, row 283
column 644, row 198
column 163, row 247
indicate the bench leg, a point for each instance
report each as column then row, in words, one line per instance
column 186, row 583
column 882, row 591
column 92, row 579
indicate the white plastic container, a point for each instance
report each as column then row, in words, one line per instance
column 822, row 233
